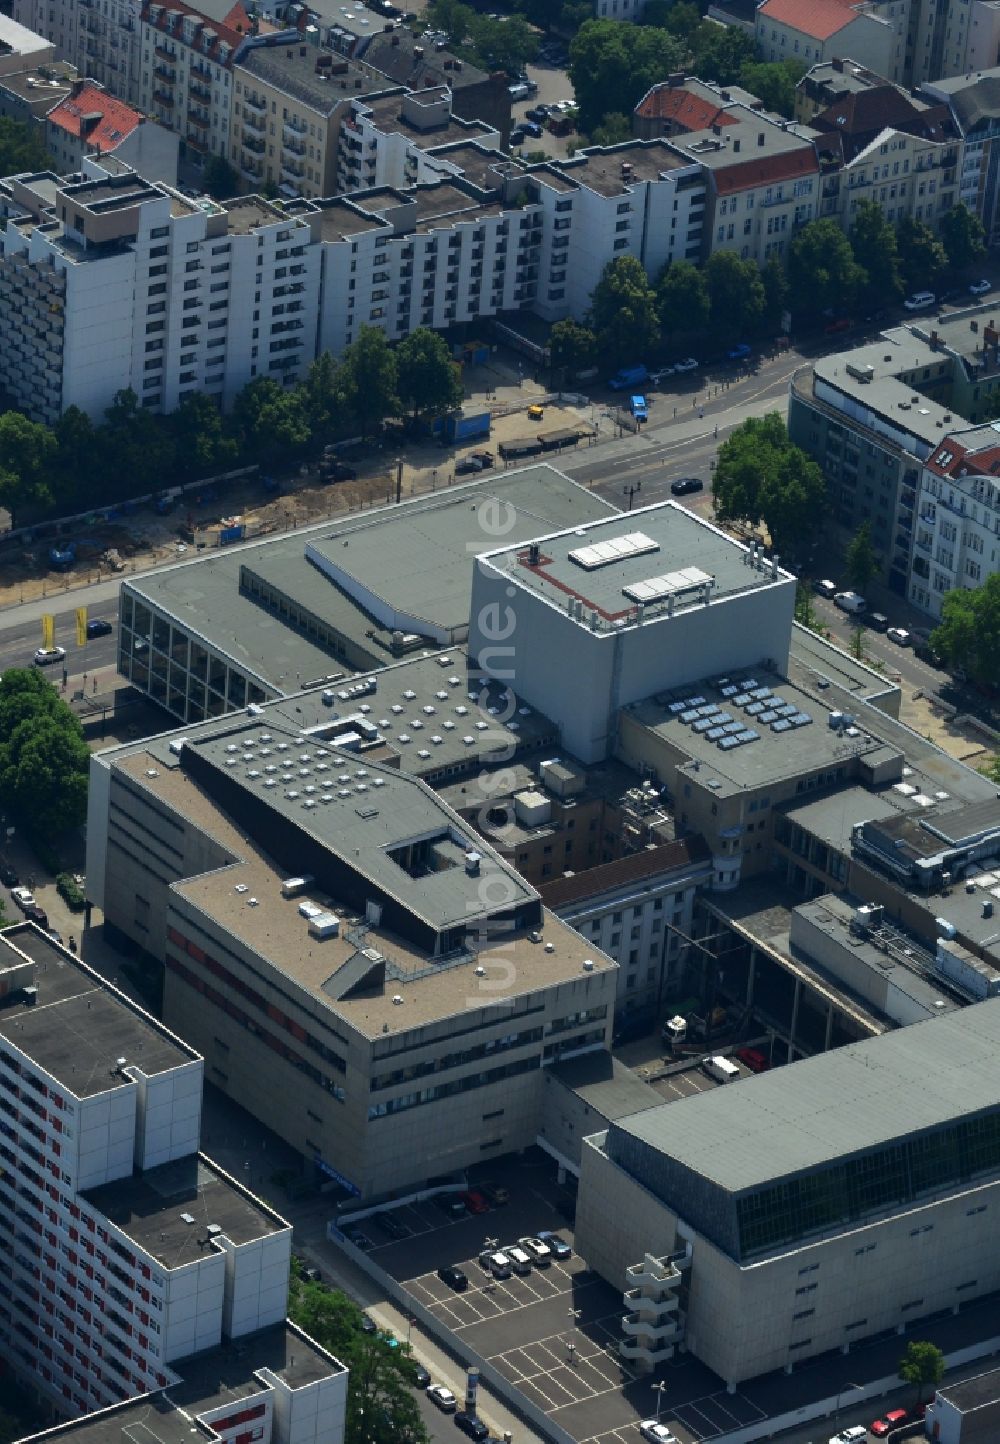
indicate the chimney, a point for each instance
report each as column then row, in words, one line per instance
column 838, row 64
column 760, row 137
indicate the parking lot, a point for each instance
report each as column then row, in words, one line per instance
column 554, row 1332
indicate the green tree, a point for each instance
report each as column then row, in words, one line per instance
column 21, row 148
column 775, row 283
column 321, row 397
column 612, row 65
column 202, row 443
column 505, row 44
column 873, row 241
column 137, row 449
column 77, row 462
column 220, row 179
column 368, row 379
column 381, row 1408
column 27, row 449
column 969, row 632
column 572, row 347
column 737, row 295
column 270, row 423
column 427, row 379
column 774, row 82
column 760, row 477
column 679, row 17
column 682, row 300
column 44, row 760
column 860, row 562
column 623, row 312
column 719, row 52
column 922, row 257
column 821, row 269
column 922, row 1365
column 614, row 129
column 963, row 238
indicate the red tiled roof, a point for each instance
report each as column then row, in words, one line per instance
column 209, row 34
column 665, row 857
column 951, row 449
column 954, row 459
column 753, row 171
column 689, row 112
column 117, row 120
column 818, row 18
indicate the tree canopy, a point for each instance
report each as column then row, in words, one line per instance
column 821, row 269
column 737, row 295
column 44, row 760
column 922, row 1365
column 381, row 1406
column 873, row 241
column 682, row 300
column 860, row 562
column 922, row 257
column 623, row 312
column 427, row 379
column 774, row 82
column 761, row 477
column 719, row 52
column 21, row 148
column 969, row 632
column 26, row 450
column 368, row 379
column 220, row 179
column 612, row 66
column 572, row 347
column 963, row 238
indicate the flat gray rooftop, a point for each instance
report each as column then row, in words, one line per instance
column 899, row 353
column 150, row 1209
column 79, row 1026
column 341, row 219
column 246, row 214
column 484, row 168
column 415, row 558
column 295, row 70
column 604, row 171
column 652, row 543
column 840, row 1103
column 607, row 1086
column 363, row 812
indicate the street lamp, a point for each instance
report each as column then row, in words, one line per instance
column 630, row 489
column 574, row 1315
column 659, row 1390
column 840, row 1394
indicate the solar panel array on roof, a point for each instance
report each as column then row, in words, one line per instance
column 671, row 584
column 614, row 549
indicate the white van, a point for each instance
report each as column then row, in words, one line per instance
column 720, row 1069
column 519, row 1260
column 850, row 601
column 920, row 301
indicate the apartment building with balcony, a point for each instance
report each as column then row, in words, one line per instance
column 88, row 121
column 386, row 138
column 289, row 103
column 126, row 1251
column 974, row 102
column 185, row 74
column 957, row 535
column 111, row 282
column 761, row 182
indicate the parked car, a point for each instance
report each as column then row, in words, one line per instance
column 753, row 1059
column 516, row 137
column 485, row 457
column 500, row 1266
column 99, row 627
column 495, row 1192
column 658, row 377
column 852, row 602
column 520, row 91
column 739, row 352
column 980, row 288
column 656, row 1433
column 421, row 1376
column 474, row 1201
column 532, row 128
column 535, row 412
column 23, row 897
column 920, row 301
column 557, row 1246
column 900, row 636
column 337, row 471
column 368, row 1324
column 467, row 464
column 443, row 1398
column 390, row 1224
column 537, row 112
column 8, row 875
column 359, row 1239
column 851, row 1435
column 685, row 485
column 454, row 1277
column 537, row 1250
column 891, row 1421
column 840, row 323
column 825, row 588
column 878, row 622
column 451, row 1205
column 45, row 656
column 469, row 1424
column 38, row 916
column 688, row 363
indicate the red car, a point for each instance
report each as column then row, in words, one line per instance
column 753, row 1059
column 474, row 1201
column 892, row 1420
column 842, row 323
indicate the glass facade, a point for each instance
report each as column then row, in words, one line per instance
column 187, row 678
column 855, row 1188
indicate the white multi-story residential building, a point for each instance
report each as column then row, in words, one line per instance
column 385, row 139
column 958, row 517
column 124, row 1249
column 111, row 282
